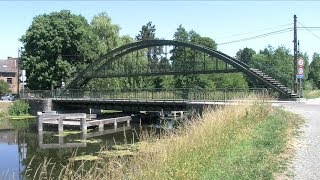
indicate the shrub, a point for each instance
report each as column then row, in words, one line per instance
column 4, row 87
column 19, row 107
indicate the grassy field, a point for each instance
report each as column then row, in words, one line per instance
column 310, row 94
column 237, row 142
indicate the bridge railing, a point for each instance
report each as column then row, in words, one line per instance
column 176, row 94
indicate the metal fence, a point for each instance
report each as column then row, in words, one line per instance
column 182, row 94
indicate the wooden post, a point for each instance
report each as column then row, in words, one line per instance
column 101, row 127
column 115, row 123
column 40, row 124
column 83, row 125
column 60, row 137
column 129, row 119
column 40, row 138
column 60, row 124
column 181, row 114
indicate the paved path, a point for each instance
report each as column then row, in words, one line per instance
column 306, row 160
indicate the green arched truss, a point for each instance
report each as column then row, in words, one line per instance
column 99, row 68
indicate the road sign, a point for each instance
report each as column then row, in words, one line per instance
column 300, row 62
column 23, row 78
column 300, row 70
column 300, row 76
column 23, row 72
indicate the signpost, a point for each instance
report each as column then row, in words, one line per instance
column 300, row 73
column 23, row 78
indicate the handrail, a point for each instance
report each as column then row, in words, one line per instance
column 157, row 94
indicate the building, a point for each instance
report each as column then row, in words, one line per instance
column 9, row 73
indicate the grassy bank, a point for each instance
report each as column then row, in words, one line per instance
column 237, row 142
column 310, row 94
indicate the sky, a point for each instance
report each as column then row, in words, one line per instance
column 223, row 21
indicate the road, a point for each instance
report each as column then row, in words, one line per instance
column 306, row 159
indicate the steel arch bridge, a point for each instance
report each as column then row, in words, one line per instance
column 111, row 65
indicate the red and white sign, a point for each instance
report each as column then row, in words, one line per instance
column 300, row 62
column 300, row 70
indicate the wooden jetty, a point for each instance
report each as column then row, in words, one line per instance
column 84, row 136
column 82, row 120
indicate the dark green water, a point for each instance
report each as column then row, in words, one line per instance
column 22, row 145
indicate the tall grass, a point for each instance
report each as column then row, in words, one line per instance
column 235, row 142
column 309, row 94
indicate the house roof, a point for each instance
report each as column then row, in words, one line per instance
column 9, row 65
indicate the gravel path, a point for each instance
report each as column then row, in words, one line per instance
column 306, row 160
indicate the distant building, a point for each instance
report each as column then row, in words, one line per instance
column 9, row 73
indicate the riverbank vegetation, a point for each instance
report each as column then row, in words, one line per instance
column 235, row 142
column 310, row 94
column 12, row 112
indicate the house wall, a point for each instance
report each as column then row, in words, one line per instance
column 13, row 86
column 9, row 73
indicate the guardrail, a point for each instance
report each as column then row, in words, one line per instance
column 182, row 94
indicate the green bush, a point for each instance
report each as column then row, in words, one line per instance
column 19, row 107
column 4, row 87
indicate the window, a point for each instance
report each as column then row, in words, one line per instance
column 9, row 80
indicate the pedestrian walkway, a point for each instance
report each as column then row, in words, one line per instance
column 306, row 159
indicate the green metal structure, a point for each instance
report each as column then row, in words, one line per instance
column 211, row 61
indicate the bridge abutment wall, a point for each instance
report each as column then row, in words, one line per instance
column 39, row 105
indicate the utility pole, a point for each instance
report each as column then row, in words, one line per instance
column 295, row 54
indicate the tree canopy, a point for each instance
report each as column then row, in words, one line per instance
column 315, row 70
column 56, row 44
column 61, row 44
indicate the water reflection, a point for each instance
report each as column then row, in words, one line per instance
column 25, row 147
column 12, row 154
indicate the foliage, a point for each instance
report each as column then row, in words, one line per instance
column 185, row 56
column 19, row 107
column 277, row 63
column 310, row 94
column 56, row 46
column 4, row 87
column 315, row 70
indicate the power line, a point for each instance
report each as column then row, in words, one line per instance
column 258, row 36
column 312, row 27
column 308, row 30
column 255, row 31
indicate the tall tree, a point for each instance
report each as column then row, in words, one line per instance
column 314, row 74
column 54, row 48
column 277, row 63
column 106, row 32
column 245, row 55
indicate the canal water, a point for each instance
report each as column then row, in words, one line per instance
column 22, row 147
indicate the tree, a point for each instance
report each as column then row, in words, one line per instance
column 4, row 87
column 147, row 32
column 277, row 63
column 56, row 46
column 314, row 74
column 106, row 32
column 245, row 55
